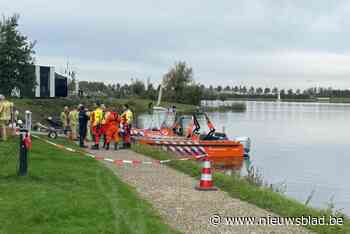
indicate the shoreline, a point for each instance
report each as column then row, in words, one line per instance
column 263, row 197
column 331, row 101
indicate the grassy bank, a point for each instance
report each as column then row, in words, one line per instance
column 238, row 187
column 43, row 108
column 68, row 193
column 340, row 100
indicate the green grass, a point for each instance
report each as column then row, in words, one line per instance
column 238, row 187
column 68, row 193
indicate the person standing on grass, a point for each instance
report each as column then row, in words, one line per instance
column 127, row 118
column 83, row 121
column 105, row 113
column 6, row 111
column 73, row 122
column 96, row 121
column 64, row 117
column 112, row 129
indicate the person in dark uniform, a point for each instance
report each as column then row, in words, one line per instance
column 83, row 120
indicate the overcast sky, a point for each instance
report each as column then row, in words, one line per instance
column 269, row 42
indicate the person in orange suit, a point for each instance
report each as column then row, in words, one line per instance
column 112, row 129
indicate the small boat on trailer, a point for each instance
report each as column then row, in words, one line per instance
column 215, row 145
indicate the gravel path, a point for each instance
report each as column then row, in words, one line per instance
column 183, row 207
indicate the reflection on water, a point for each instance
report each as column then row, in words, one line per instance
column 229, row 164
column 304, row 145
column 237, row 166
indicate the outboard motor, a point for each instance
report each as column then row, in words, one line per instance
column 246, row 142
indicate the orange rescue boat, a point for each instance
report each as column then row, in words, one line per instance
column 214, row 145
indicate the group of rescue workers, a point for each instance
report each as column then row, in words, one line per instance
column 102, row 123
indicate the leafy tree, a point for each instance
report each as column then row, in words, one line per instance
column 151, row 92
column 251, row 90
column 138, row 88
column 219, row 88
column 176, row 80
column 95, row 88
column 194, row 94
column 259, row 90
column 267, row 91
column 16, row 59
column 275, row 90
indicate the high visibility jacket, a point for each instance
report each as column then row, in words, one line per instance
column 105, row 115
column 64, row 118
column 128, row 116
column 73, row 117
column 5, row 110
column 97, row 117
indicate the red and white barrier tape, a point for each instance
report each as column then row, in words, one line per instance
column 119, row 162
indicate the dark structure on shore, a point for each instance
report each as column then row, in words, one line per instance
column 49, row 83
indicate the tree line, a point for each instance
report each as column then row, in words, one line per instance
column 179, row 86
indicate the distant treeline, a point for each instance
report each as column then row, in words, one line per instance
column 190, row 92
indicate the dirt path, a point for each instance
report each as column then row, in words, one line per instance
column 183, row 207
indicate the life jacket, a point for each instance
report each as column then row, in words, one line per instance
column 64, row 118
column 73, row 117
column 97, row 117
column 128, row 115
column 105, row 115
column 92, row 118
column 5, row 110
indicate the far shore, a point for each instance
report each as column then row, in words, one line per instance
column 308, row 100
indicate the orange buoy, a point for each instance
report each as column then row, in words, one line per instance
column 206, row 182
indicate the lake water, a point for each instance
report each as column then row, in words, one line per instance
column 304, row 145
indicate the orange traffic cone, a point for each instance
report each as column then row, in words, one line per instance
column 206, row 182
